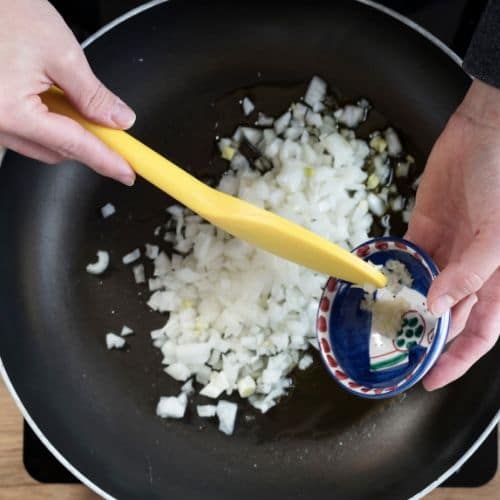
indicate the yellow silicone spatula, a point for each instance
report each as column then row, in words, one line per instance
column 239, row 218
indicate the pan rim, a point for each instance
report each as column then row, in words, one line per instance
column 3, row 372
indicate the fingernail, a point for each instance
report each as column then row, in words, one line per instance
column 128, row 180
column 442, row 305
column 125, row 173
column 122, row 115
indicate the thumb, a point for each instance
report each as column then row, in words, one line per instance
column 466, row 275
column 88, row 94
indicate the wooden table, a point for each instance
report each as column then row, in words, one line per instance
column 16, row 484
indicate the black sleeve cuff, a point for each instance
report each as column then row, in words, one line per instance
column 482, row 59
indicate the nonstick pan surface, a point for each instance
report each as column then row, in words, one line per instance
column 182, row 65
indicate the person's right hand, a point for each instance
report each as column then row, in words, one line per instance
column 38, row 50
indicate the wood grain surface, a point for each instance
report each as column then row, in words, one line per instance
column 16, row 484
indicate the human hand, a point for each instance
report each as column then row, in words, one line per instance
column 38, row 50
column 457, row 220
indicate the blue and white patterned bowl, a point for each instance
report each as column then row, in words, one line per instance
column 344, row 336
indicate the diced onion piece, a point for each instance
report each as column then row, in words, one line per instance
column 228, row 153
column 248, row 106
column 372, row 182
column 108, row 210
column 226, row 413
column 402, row 169
column 206, row 411
column 162, row 265
column 132, row 256
column 216, row 386
column 152, row 251
column 252, row 135
column 397, row 204
column 188, row 388
column 203, row 375
column 100, row 265
column 376, row 204
column 194, row 353
column 178, row 371
column 126, row 331
column 350, row 115
column 264, row 120
column 113, row 341
column 246, row 386
column 394, row 147
column 305, row 362
column 316, row 93
column 378, row 143
column 282, row 122
column 172, row 407
column 139, row 274
column 314, row 343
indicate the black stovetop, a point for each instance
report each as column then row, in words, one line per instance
column 461, row 18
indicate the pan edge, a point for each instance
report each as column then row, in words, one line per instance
column 3, row 373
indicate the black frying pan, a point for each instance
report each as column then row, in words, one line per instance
column 178, row 64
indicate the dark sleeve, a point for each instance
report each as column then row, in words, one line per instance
column 482, row 59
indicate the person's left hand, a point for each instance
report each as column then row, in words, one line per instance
column 457, row 221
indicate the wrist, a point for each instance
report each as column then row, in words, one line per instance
column 482, row 104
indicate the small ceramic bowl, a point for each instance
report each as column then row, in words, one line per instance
column 358, row 360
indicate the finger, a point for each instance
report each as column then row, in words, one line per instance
column 479, row 336
column 74, row 75
column 424, row 232
column 71, row 140
column 30, row 149
column 466, row 275
column 460, row 314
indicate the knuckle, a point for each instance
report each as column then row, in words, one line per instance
column 70, row 57
column 471, row 282
column 69, row 148
column 98, row 99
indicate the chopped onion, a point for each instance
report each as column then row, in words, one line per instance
column 101, row 265
column 402, row 169
column 264, row 120
column 305, row 362
column 248, row 106
column 282, row 122
column 226, row 413
column 113, row 341
column 152, row 251
column 240, row 319
column 108, row 210
column 126, row 331
column 246, row 386
column 217, row 385
column 393, row 143
column 131, row 257
column 172, row 407
column 351, row 115
column 188, row 388
column 206, row 411
column 139, row 274
column 178, row 371
column 316, row 93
